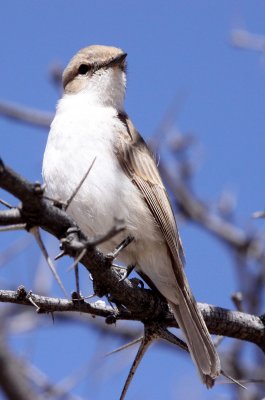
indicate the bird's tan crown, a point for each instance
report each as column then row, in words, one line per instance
column 95, row 56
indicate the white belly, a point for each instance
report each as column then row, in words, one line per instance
column 75, row 139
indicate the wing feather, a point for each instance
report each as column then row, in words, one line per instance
column 139, row 164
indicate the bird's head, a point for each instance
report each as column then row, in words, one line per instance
column 99, row 72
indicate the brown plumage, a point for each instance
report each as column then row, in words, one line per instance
column 139, row 165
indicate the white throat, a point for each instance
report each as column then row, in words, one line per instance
column 106, row 87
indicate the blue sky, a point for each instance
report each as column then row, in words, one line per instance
column 174, row 47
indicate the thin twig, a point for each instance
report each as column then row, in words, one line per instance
column 16, row 227
column 26, row 114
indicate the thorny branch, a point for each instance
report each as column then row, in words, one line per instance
column 245, row 247
column 138, row 303
column 220, row 321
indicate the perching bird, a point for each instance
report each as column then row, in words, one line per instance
column 123, row 183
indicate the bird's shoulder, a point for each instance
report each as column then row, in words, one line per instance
column 134, row 154
column 139, row 164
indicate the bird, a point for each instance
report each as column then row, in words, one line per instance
column 91, row 126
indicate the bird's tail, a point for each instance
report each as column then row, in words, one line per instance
column 198, row 338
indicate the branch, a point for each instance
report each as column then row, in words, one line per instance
column 135, row 303
column 199, row 212
column 25, row 114
column 13, row 381
column 220, row 321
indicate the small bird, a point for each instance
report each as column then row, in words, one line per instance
column 124, row 183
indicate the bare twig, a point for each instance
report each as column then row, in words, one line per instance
column 246, row 40
column 25, row 114
column 16, row 227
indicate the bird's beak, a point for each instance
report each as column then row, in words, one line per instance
column 117, row 60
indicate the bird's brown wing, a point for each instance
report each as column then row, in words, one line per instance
column 139, row 165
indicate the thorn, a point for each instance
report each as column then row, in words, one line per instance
column 57, row 203
column 125, row 346
column 233, row 380
column 29, row 297
column 36, row 234
column 16, row 227
column 120, row 247
column 152, row 331
column 119, row 227
column 68, row 202
column 75, row 266
column 5, row 203
column 77, row 259
column 60, row 255
column 110, row 303
column 77, row 279
column 237, row 299
column 163, row 333
column 145, row 343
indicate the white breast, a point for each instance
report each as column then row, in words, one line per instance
column 79, row 133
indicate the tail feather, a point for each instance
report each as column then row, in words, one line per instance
column 198, row 339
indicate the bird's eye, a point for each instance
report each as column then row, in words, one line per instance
column 83, row 69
